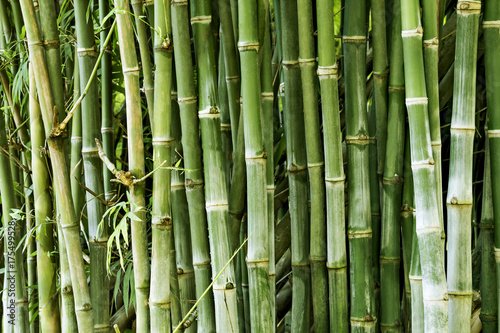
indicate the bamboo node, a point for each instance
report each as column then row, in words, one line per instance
column 67, row 289
column 431, row 161
column 328, row 70
column 202, row 19
column 91, row 51
column 491, row 24
column 49, row 43
column 470, row 7
column 180, row 271
column 229, row 285
column 248, row 46
column 87, row 307
column 454, row 201
column 354, row 39
column 282, row 88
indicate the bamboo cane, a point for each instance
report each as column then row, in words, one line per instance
column 390, row 319
column 334, row 170
column 459, row 196
column 160, row 302
column 255, row 158
column 489, row 297
column 215, row 190
column 315, row 166
column 428, row 227
column 491, row 31
column 135, row 143
column 46, row 264
column 363, row 315
column 192, row 163
column 296, row 169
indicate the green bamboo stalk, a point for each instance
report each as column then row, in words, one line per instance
column 244, row 277
column 315, row 165
column 296, row 168
column 459, row 196
column 231, row 67
column 417, row 298
column 15, row 109
column 489, row 297
column 267, row 101
column 390, row 319
column 46, row 264
column 334, row 170
column 144, row 45
column 192, row 163
column 107, row 129
column 159, row 298
column 98, row 233
column 213, row 161
column 407, row 226
column 135, row 143
column 68, row 220
column 30, row 249
column 430, row 20
column 491, row 31
column 180, row 216
column 15, row 301
column 380, row 74
column 363, row 315
column 255, row 158
column 428, row 227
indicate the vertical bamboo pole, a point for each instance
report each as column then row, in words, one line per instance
column 296, row 168
column 135, row 143
column 46, row 265
column 334, row 170
column 192, row 163
column 255, row 158
column 213, row 161
column 159, row 297
column 363, row 315
column 390, row 319
column 491, row 33
column 428, row 227
column 489, row 297
column 315, row 165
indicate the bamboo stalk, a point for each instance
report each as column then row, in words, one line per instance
column 390, row 320
column 489, row 297
column 107, row 129
column 216, row 204
column 428, row 227
column 159, row 298
column 135, row 143
column 255, row 158
column 147, row 67
column 296, row 169
column 315, row 166
column 459, row 196
column 98, row 233
column 180, row 215
column 430, row 20
column 491, row 31
column 46, row 264
column 363, row 314
column 334, row 170
column 68, row 219
column 192, row 163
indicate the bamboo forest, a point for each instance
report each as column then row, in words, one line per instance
column 259, row 166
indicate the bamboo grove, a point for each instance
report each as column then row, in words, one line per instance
column 250, row 166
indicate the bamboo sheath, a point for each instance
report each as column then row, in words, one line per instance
column 136, row 165
column 296, row 169
column 459, row 196
column 46, row 265
column 255, row 158
column 390, row 318
column 491, row 33
column 192, row 163
column 489, row 297
column 428, row 227
column 68, row 219
column 315, row 165
column 160, row 295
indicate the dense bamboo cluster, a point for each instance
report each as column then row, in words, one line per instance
column 250, row 166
